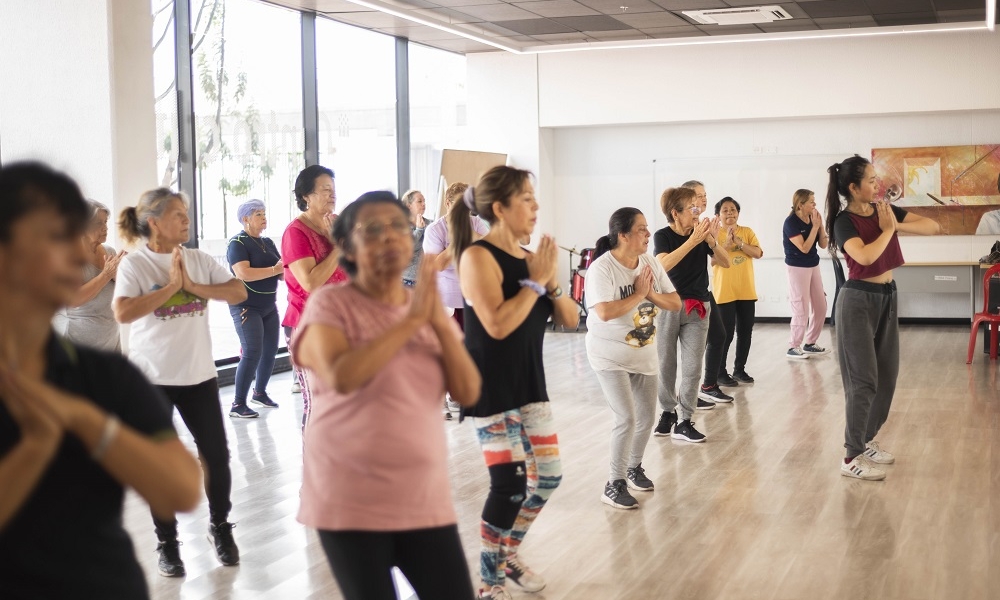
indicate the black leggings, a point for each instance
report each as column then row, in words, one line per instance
column 199, row 407
column 737, row 318
column 431, row 559
column 714, row 356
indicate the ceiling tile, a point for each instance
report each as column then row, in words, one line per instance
column 899, row 6
column 960, row 5
column 915, row 18
column 845, row 22
column 691, row 4
column 793, row 25
column 418, row 33
column 715, row 30
column 338, row 6
column 447, row 15
column 573, row 36
column 836, row 8
column 608, row 36
column 498, row 12
column 411, row 4
column 535, row 26
column 596, row 23
column 648, row 20
column 453, row 3
column 662, row 31
column 613, row 7
column 679, row 33
column 373, row 20
column 464, row 46
column 557, row 8
column 795, row 10
column 960, row 16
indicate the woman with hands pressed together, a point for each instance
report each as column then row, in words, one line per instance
column 626, row 289
column 77, row 425
column 163, row 290
column 510, row 294
column 801, row 234
column 380, row 356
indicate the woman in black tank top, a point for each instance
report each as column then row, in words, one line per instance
column 510, row 294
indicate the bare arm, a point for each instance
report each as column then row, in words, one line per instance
column 244, row 271
column 90, row 289
column 608, row 311
column 462, row 378
column 310, row 274
column 719, row 256
column 918, row 225
column 481, row 280
column 866, row 254
column 128, row 310
column 671, row 301
column 669, row 260
column 441, row 261
column 566, row 313
column 230, row 292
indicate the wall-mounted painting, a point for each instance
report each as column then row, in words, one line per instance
column 957, row 186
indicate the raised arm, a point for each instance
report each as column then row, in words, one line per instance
column 918, row 225
column 310, row 274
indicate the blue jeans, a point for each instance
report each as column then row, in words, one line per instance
column 258, row 330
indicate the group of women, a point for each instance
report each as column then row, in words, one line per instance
column 378, row 353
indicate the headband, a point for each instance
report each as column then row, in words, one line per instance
column 469, row 198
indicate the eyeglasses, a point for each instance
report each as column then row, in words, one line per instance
column 696, row 210
column 375, row 229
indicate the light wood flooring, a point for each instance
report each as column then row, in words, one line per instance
column 759, row 511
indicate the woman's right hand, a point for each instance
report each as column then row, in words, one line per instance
column 644, row 282
column 816, row 218
column 176, row 271
column 36, row 421
column 543, row 261
column 886, row 218
column 110, row 269
column 701, row 231
column 425, row 300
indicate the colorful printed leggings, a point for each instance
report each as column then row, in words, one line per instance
column 522, row 453
column 300, row 377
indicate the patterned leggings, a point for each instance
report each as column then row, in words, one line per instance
column 523, row 435
column 300, row 377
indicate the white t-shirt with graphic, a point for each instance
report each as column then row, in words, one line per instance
column 627, row 343
column 172, row 344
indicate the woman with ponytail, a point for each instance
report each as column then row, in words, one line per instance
column 625, row 289
column 510, row 294
column 801, row 233
column 866, row 316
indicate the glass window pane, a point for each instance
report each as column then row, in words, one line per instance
column 166, row 93
column 356, row 88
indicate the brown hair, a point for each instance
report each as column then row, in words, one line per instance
column 499, row 184
column 134, row 220
column 673, row 200
column 799, row 198
column 454, row 192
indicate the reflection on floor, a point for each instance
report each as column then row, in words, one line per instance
column 759, row 511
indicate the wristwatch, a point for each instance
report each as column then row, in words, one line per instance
column 556, row 293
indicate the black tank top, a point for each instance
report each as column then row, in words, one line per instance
column 512, row 370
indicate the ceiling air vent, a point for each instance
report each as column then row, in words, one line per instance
column 738, row 16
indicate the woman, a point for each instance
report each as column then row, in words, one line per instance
column 309, row 254
column 416, row 204
column 77, row 425
column 683, row 250
column 510, row 295
column 255, row 260
column 163, row 290
column 733, row 288
column 625, row 286
column 379, row 357
column 867, row 320
column 801, row 234
column 88, row 319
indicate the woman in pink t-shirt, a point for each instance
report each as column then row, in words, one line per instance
column 375, row 463
column 309, row 254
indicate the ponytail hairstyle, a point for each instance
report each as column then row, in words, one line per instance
column 674, row 199
column 800, row 197
column 133, row 223
column 842, row 175
column 499, row 184
column 620, row 223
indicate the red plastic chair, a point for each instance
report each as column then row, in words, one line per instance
column 985, row 317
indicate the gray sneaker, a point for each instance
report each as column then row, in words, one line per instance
column 636, row 479
column 616, row 495
column 796, row 354
column 813, row 349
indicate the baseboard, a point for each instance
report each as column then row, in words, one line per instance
column 902, row 320
column 227, row 370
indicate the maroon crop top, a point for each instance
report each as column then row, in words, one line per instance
column 849, row 225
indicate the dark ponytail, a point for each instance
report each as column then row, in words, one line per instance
column 460, row 225
column 620, row 223
column 842, row 175
column 499, row 184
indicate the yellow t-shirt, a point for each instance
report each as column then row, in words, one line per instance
column 736, row 282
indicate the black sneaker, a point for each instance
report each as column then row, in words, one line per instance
column 170, row 563
column 242, row 411
column 666, row 424
column 704, row 404
column 742, row 377
column 814, row 349
column 714, row 394
column 616, row 495
column 685, row 430
column 636, row 479
column 263, row 400
column 221, row 536
column 725, row 380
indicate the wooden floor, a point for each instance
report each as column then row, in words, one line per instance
column 759, row 511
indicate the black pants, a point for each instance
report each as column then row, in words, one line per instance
column 431, row 559
column 714, row 355
column 737, row 319
column 199, row 407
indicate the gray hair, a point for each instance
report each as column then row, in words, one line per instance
column 134, row 221
column 692, row 184
column 409, row 197
column 95, row 208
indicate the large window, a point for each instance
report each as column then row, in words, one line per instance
column 356, row 86
column 165, row 87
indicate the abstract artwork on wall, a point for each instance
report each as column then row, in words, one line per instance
column 958, row 186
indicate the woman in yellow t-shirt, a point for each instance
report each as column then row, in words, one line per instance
column 734, row 289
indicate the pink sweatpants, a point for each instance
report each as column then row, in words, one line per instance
column 805, row 292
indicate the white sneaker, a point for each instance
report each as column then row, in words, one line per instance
column 494, row 593
column 796, row 353
column 861, row 468
column 296, row 388
column 877, row 455
column 524, row 577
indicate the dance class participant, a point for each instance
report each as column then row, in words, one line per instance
column 77, row 425
column 510, row 294
column 380, row 356
column 415, row 202
column 163, row 290
column 683, row 248
column 801, row 234
column 867, row 320
column 625, row 289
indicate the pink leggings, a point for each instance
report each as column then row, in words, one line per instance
column 805, row 292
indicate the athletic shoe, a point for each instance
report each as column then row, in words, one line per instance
column 170, row 563
column 263, row 400
column 727, row 381
column 666, row 424
column 877, row 455
column 524, row 577
column 221, row 536
column 296, row 388
column 704, row 404
column 861, row 468
column 684, row 430
column 616, row 495
column 451, row 404
column 494, row 593
column 813, row 349
column 742, row 377
column 242, row 411
column 636, row 479
column 795, row 353
column 714, row 394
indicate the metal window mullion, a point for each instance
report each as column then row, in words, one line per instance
column 186, row 137
column 402, row 114
column 310, row 99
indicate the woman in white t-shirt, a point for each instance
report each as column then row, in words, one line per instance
column 625, row 289
column 163, row 290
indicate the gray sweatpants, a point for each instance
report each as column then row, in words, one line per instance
column 868, row 348
column 689, row 332
column 632, row 397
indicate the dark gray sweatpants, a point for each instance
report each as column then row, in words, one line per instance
column 868, row 348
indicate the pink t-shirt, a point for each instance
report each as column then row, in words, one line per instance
column 300, row 241
column 375, row 459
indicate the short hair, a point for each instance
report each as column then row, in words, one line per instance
column 305, row 183
column 26, row 187
column 718, row 205
column 692, row 184
column 348, row 220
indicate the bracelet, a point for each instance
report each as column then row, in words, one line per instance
column 556, row 293
column 533, row 286
column 111, row 427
